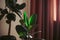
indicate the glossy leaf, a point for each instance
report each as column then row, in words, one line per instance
column 33, row 19
column 13, row 6
column 15, row 10
column 10, row 2
column 11, row 17
column 26, row 20
column 3, row 12
column 21, row 6
column 21, row 31
column 23, row 35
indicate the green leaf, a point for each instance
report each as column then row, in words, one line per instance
column 11, row 17
column 26, row 19
column 23, row 35
column 20, row 6
column 3, row 12
column 21, row 31
column 10, row 2
column 30, row 27
column 33, row 19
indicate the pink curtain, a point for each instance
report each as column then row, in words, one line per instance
column 45, row 21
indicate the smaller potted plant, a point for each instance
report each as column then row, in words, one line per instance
column 26, row 26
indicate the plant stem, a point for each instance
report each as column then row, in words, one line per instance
column 9, row 30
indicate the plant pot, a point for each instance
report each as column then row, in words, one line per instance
column 6, row 37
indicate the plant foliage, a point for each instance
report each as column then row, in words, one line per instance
column 11, row 8
column 27, row 25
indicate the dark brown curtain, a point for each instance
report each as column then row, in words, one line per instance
column 36, row 7
column 57, row 36
column 48, row 27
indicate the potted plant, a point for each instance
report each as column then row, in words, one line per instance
column 13, row 8
column 26, row 26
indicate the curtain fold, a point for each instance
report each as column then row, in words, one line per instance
column 58, row 20
column 39, row 19
column 32, row 11
column 45, row 22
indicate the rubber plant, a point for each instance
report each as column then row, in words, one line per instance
column 26, row 26
column 11, row 8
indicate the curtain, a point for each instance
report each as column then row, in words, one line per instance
column 45, row 20
column 35, row 7
column 58, row 21
column 32, row 11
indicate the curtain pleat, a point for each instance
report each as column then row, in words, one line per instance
column 32, row 11
column 45, row 21
column 58, row 20
column 40, row 17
